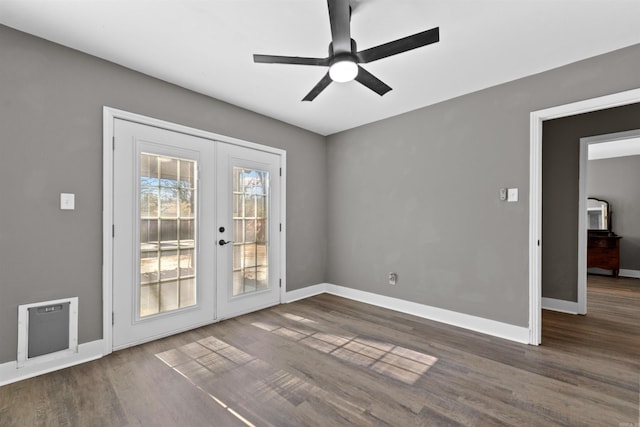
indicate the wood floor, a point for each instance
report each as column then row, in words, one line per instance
column 328, row 361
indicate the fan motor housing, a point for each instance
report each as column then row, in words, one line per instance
column 354, row 50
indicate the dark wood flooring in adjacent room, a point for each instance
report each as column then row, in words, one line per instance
column 328, row 361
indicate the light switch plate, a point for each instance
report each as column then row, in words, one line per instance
column 512, row 195
column 67, row 201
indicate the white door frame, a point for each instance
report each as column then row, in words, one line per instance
column 535, row 192
column 108, row 118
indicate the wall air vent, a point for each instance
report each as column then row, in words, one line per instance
column 47, row 331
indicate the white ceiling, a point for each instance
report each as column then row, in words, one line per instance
column 207, row 46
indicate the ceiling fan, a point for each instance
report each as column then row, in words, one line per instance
column 344, row 59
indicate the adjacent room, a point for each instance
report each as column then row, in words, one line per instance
column 319, row 212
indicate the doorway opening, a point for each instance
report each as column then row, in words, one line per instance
column 537, row 118
column 609, row 196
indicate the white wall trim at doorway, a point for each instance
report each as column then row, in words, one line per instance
column 535, row 191
column 570, row 307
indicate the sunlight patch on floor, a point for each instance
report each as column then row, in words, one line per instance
column 393, row 361
column 198, row 360
column 205, row 361
column 297, row 318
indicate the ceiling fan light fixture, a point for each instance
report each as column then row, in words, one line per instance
column 343, row 70
column 344, row 57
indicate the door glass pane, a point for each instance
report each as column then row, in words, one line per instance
column 187, row 263
column 168, row 201
column 238, row 229
column 250, row 231
column 250, row 225
column 186, row 202
column 187, row 179
column 168, row 265
column 187, row 292
column 168, row 296
column 168, row 171
column 237, row 204
column 149, row 267
column 187, row 237
column 148, row 299
column 249, row 205
column 167, row 234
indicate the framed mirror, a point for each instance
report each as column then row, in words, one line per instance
column 598, row 215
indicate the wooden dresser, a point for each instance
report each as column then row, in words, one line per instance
column 603, row 251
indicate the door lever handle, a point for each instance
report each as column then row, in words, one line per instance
column 223, row 242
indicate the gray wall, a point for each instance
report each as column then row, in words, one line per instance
column 51, row 101
column 617, row 180
column 417, row 194
column 560, row 174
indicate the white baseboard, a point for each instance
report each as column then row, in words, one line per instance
column 307, row 292
column 478, row 324
column 10, row 373
column 560, row 305
column 629, row 273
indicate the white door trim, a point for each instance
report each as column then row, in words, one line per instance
column 108, row 118
column 535, row 191
column 582, row 228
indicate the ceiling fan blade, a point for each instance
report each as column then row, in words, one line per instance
column 372, row 82
column 322, row 85
column 339, row 17
column 297, row 60
column 398, row 46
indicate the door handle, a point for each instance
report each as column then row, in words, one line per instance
column 223, row 242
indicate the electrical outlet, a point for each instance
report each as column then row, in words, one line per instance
column 393, row 278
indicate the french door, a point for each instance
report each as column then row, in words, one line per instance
column 248, row 229
column 196, row 231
